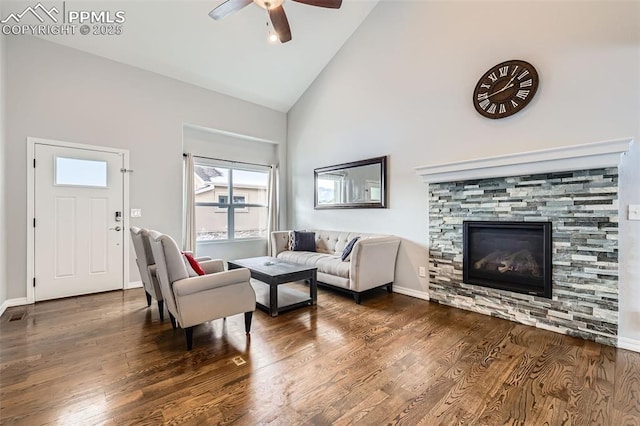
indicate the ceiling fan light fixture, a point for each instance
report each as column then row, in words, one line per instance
column 276, row 13
column 268, row 4
column 272, row 36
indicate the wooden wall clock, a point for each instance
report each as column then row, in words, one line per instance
column 505, row 89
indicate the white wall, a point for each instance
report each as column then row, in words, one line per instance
column 55, row 92
column 3, row 204
column 213, row 144
column 402, row 86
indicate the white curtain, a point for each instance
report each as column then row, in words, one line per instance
column 272, row 215
column 189, row 240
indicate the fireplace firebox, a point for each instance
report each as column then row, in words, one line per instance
column 512, row 256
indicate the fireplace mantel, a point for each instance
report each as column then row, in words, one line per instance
column 568, row 158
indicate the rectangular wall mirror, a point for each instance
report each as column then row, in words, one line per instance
column 356, row 185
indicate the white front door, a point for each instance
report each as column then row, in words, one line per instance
column 78, row 235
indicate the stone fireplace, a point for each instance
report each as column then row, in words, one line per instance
column 574, row 191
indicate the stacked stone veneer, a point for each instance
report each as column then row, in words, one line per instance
column 583, row 209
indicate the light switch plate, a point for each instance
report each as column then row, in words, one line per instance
column 136, row 212
column 422, row 271
column 634, row 211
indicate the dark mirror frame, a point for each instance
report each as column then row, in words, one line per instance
column 382, row 161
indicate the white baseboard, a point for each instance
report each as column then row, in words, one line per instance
column 12, row 302
column 630, row 344
column 20, row 301
column 133, row 284
column 411, row 292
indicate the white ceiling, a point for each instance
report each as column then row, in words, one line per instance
column 232, row 56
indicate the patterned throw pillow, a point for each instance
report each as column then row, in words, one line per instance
column 346, row 253
column 290, row 242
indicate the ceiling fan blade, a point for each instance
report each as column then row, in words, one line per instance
column 331, row 4
column 280, row 23
column 228, row 7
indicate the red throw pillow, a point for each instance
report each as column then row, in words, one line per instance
column 194, row 263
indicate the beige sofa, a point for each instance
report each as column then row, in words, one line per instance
column 371, row 264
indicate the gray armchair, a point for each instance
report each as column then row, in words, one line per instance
column 196, row 300
column 147, row 267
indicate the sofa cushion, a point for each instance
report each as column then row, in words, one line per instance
column 325, row 263
column 333, row 266
column 304, row 241
column 301, row 257
column 334, row 242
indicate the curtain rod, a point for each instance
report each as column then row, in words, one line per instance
column 229, row 161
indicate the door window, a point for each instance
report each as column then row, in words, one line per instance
column 80, row 172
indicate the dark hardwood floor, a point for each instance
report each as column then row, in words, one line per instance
column 107, row 359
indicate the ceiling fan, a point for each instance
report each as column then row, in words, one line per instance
column 274, row 8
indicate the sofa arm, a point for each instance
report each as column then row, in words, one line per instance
column 212, row 266
column 279, row 242
column 187, row 286
column 373, row 262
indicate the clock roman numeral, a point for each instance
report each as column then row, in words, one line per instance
column 504, row 70
column 484, row 104
column 523, row 74
column 514, row 103
column 526, row 83
column 522, row 94
column 486, row 86
column 493, row 77
column 502, row 109
column 482, row 96
column 492, row 109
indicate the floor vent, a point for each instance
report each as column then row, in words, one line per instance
column 17, row 316
column 238, row 361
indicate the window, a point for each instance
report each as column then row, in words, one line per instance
column 218, row 218
column 223, row 200
column 80, row 172
column 237, row 199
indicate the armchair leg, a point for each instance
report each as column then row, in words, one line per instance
column 189, row 333
column 356, row 297
column 173, row 320
column 390, row 288
column 161, row 309
column 148, row 298
column 247, row 321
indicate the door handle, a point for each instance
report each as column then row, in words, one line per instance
column 117, row 228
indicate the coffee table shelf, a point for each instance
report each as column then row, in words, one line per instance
column 268, row 274
column 288, row 298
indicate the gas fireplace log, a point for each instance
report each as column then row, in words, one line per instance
column 493, row 257
column 521, row 261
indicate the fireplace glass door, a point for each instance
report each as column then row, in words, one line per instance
column 513, row 256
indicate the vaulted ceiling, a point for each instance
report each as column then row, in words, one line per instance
column 232, row 56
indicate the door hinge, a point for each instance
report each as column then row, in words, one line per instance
column 34, row 222
column 34, row 163
column 34, row 281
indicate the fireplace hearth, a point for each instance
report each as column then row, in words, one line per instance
column 512, row 256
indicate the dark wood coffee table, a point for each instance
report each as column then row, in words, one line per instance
column 272, row 272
